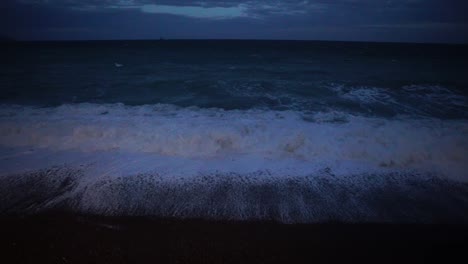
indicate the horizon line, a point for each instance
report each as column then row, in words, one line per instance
column 12, row 40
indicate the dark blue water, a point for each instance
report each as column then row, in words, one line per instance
column 363, row 78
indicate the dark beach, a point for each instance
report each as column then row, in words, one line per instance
column 67, row 238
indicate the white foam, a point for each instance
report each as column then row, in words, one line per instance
column 256, row 139
column 368, row 95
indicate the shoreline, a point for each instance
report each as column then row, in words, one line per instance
column 61, row 237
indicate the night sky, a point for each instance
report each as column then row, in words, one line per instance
column 349, row 20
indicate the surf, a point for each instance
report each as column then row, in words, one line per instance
column 325, row 138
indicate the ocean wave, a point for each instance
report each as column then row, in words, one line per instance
column 437, row 95
column 416, row 100
column 402, row 143
column 370, row 95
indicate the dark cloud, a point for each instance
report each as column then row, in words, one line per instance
column 399, row 10
column 380, row 20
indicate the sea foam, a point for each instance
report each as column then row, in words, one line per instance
column 328, row 139
column 288, row 166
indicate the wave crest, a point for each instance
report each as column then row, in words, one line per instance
column 429, row 144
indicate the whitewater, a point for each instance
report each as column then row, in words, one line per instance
column 294, row 132
column 173, row 161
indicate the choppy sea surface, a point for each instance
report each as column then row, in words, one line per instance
column 294, row 131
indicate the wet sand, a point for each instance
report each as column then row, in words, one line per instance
column 69, row 238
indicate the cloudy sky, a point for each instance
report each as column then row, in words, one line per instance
column 355, row 20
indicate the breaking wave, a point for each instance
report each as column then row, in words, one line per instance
column 331, row 138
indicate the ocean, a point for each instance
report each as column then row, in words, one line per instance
column 289, row 131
